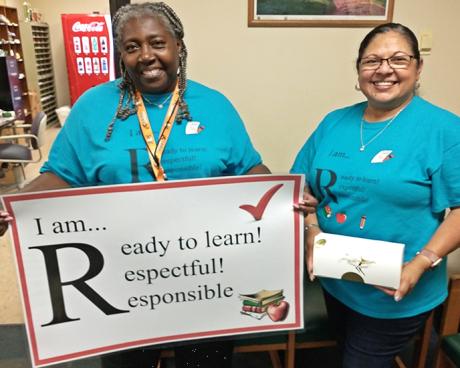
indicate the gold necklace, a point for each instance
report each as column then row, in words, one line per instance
column 364, row 145
column 159, row 105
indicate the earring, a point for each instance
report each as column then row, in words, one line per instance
column 180, row 62
column 357, row 87
column 417, row 85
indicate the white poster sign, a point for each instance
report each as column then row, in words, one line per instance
column 110, row 268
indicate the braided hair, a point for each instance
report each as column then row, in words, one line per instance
column 126, row 106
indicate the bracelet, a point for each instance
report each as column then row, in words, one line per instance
column 431, row 256
column 309, row 226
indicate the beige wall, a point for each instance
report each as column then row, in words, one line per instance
column 282, row 80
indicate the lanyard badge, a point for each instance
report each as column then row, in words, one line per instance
column 155, row 148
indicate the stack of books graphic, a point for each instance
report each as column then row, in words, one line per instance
column 255, row 305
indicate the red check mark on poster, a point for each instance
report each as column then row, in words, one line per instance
column 258, row 210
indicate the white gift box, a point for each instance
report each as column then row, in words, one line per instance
column 349, row 258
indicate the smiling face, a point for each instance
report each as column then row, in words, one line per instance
column 150, row 54
column 386, row 88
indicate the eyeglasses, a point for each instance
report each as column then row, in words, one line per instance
column 400, row 61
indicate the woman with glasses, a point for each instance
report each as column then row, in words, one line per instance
column 386, row 169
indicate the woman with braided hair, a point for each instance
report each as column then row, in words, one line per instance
column 139, row 128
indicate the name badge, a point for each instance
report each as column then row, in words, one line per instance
column 193, row 127
column 382, row 156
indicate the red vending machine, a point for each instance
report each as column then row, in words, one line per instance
column 89, row 51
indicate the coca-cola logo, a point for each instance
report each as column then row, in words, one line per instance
column 88, row 27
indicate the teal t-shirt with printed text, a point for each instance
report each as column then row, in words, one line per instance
column 400, row 197
column 219, row 145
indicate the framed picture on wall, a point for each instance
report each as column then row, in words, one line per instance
column 319, row 13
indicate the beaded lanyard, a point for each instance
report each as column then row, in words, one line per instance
column 156, row 150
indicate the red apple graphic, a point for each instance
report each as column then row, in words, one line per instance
column 278, row 312
column 341, row 218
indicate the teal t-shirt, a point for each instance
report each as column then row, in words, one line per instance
column 218, row 146
column 399, row 198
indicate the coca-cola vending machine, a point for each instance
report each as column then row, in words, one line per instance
column 89, row 51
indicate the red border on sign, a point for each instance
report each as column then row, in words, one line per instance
column 296, row 179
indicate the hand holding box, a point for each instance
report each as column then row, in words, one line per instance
column 350, row 258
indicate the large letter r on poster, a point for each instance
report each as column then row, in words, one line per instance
column 55, row 283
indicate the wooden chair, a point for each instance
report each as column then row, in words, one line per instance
column 448, row 350
column 271, row 343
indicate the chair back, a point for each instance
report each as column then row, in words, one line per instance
column 38, row 129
